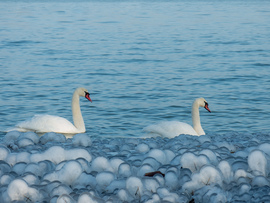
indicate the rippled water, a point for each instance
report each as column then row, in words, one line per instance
column 142, row 61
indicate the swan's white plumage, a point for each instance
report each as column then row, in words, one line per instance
column 171, row 129
column 50, row 123
column 47, row 123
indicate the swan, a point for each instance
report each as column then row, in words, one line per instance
column 174, row 128
column 49, row 123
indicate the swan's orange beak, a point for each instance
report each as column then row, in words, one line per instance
column 87, row 96
column 206, row 107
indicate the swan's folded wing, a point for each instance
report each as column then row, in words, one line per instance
column 46, row 123
column 170, row 129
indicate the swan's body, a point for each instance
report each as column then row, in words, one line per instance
column 174, row 128
column 49, row 123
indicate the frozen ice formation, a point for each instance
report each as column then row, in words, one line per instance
column 210, row 168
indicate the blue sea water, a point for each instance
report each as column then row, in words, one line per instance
column 142, row 62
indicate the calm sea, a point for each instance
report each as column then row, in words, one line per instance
column 142, row 61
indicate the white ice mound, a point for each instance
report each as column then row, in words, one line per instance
column 82, row 140
column 208, row 175
column 193, row 162
column 135, row 187
column 57, row 154
column 159, row 155
column 101, row 164
column 104, row 179
column 52, row 137
column 257, row 162
column 68, row 173
column 18, row 190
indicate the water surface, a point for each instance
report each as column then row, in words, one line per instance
column 142, row 61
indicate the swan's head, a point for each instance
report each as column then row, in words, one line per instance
column 82, row 92
column 203, row 103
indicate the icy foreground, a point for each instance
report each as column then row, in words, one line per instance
column 210, row 168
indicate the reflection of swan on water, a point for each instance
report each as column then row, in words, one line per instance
column 175, row 128
column 49, row 123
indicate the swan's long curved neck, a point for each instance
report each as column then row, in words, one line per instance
column 76, row 113
column 196, row 119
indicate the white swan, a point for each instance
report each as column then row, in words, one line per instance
column 174, row 128
column 48, row 123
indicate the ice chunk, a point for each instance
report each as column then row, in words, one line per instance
column 260, row 181
column 30, row 179
column 104, row 179
column 84, row 180
column 227, row 145
column 82, row 140
column 155, row 198
column 24, row 142
column 206, row 176
column 169, row 155
column 240, row 173
column 142, row 148
column 171, row 180
column 167, row 196
column 124, row 196
column 145, row 168
column 65, row 199
column 239, row 164
column 115, row 163
column 4, row 152
column 151, row 184
column 20, row 191
column 61, row 189
column 34, row 168
column 193, row 162
column 4, row 168
column 134, row 186
column 211, row 156
column 116, row 185
column 6, row 179
column 44, row 167
column 68, row 173
column 159, row 155
column 152, row 162
column 244, row 188
column 72, row 154
column 101, row 164
column 265, row 147
column 211, row 194
column 19, row 168
column 226, row 170
column 52, row 137
column 11, row 136
column 204, row 138
column 257, row 162
column 55, row 154
column 29, row 135
column 124, row 170
column 89, row 198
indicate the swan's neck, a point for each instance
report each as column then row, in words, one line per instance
column 76, row 113
column 196, row 119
